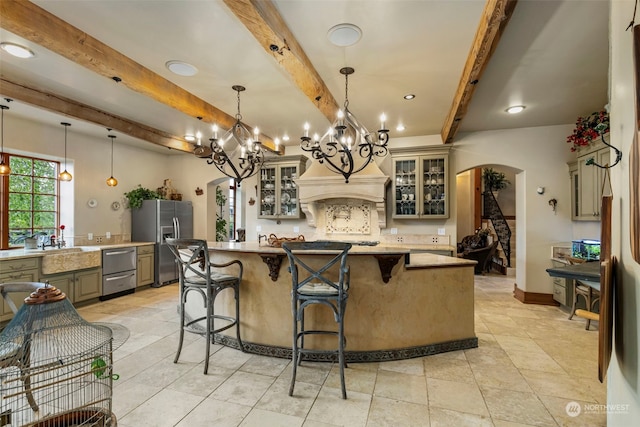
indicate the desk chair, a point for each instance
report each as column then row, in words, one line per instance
column 197, row 275
column 317, row 288
column 590, row 295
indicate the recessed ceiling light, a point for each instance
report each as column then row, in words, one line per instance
column 409, row 96
column 189, row 138
column 515, row 109
column 400, row 127
column 285, row 137
column 181, row 68
column 17, row 50
column 344, row 34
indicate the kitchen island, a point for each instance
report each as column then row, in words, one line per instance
column 396, row 310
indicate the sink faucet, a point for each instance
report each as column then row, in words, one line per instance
column 52, row 242
column 260, row 237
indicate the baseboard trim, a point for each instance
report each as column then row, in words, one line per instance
column 533, row 297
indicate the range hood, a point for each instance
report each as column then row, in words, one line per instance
column 337, row 209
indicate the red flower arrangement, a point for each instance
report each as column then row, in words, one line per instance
column 589, row 128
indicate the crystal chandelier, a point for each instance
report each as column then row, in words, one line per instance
column 345, row 138
column 238, row 154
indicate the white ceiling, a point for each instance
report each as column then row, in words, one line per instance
column 552, row 57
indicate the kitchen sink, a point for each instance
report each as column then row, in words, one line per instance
column 69, row 259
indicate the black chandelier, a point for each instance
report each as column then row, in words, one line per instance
column 345, row 136
column 240, row 160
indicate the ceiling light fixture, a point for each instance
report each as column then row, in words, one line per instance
column 515, row 109
column 64, row 175
column 400, row 127
column 181, row 68
column 344, row 35
column 335, row 147
column 111, row 181
column 17, row 50
column 189, row 138
column 5, row 170
column 409, row 96
column 239, row 161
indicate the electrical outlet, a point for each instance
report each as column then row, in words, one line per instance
column 441, row 231
column 394, row 231
column 89, row 236
column 296, row 229
column 108, row 234
column 99, row 239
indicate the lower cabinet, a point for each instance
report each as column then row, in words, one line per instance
column 145, row 270
column 18, row 270
column 562, row 291
column 79, row 285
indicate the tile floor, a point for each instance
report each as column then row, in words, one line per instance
column 530, row 363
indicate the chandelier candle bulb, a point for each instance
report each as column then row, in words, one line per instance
column 382, row 120
column 215, row 131
column 306, row 130
column 277, row 143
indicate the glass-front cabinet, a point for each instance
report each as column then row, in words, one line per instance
column 277, row 187
column 420, row 183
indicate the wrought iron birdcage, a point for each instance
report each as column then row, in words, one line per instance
column 55, row 367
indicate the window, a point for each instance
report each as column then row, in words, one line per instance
column 232, row 209
column 32, row 205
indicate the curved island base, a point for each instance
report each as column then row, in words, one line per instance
column 426, row 307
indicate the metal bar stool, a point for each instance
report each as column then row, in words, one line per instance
column 318, row 288
column 197, row 275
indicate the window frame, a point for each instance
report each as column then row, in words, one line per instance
column 5, row 195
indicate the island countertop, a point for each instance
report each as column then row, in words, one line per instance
column 9, row 254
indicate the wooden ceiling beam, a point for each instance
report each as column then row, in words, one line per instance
column 495, row 17
column 69, row 108
column 262, row 19
column 35, row 24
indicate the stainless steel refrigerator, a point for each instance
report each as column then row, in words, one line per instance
column 154, row 222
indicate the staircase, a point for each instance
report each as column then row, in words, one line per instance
column 498, row 224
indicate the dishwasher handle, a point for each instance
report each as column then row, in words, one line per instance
column 111, row 253
column 110, row 278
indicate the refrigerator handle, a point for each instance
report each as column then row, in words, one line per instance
column 176, row 221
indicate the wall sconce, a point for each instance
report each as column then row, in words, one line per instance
column 540, row 190
column 553, row 203
column 199, row 191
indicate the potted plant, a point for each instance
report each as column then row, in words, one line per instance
column 138, row 194
column 221, row 223
column 494, row 180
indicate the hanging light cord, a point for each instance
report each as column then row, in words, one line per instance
column 65, row 147
column 633, row 18
column 112, row 136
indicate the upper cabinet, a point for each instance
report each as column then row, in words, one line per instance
column 586, row 182
column 420, row 183
column 277, row 188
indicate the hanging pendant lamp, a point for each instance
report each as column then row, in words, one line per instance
column 5, row 170
column 64, row 175
column 111, row 181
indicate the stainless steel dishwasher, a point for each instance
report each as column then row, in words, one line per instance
column 118, row 271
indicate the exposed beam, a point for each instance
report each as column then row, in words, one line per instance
column 35, row 24
column 70, row 108
column 262, row 19
column 495, row 18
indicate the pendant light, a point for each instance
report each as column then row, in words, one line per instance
column 5, row 170
column 111, row 181
column 64, row 175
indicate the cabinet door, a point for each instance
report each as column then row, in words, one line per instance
column 145, row 269
column 405, row 196
column 287, row 191
column 434, row 187
column 18, row 297
column 63, row 282
column 88, row 284
column 267, row 192
column 588, row 189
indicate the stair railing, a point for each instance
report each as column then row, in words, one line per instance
column 491, row 210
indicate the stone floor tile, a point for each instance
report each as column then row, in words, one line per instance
column 456, row 396
column 440, row 417
column 262, row 418
column 330, row 408
column 277, row 399
column 165, row 408
column 398, row 386
column 243, row 388
column 389, row 412
column 448, row 369
column 516, row 406
column 215, row 413
column 565, row 413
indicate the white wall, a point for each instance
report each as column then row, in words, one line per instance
column 542, row 154
column 623, row 383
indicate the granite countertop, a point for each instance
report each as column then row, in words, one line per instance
column 432, row 260
column 33, row 253
column 254, row 247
